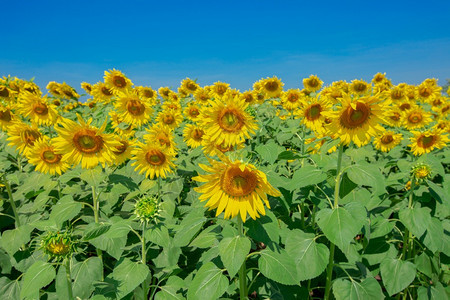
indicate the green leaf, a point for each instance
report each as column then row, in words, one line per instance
column 340, row 225
column 310, row 257
column 397, row 274
column 208, row 283
column 233, row 252
column 188, row 228
column 206, row 239
column 367, row 175
column 168, row 258
column 14, row 238
column 114, row 246
column 434, row 237
column 94, row 230
column 9, row 289
column 306, row 176
column 368, row 289
column 84, row 274
column 65, row 209
column 269, row 152
column 264, row 229
column 37, row 276
column 169, row 291
column 129, row 275
column 416, row 219
column 62, row 289
column 287, row 155
column 93, row 177
column 432, row 293
column 278, row 266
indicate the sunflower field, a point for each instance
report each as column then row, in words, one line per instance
column 338, row 191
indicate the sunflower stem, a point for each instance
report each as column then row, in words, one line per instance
column 335, row 205
column 19, row 162
column 144, row 259
column 11, row 201
column 159, row 187
column 242, row 270
column 69, row 279
column 407, row 235
column 96, row 205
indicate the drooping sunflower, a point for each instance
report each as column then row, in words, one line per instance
column 427, row 141
column 387, row 140
column 87, row 87
column 122, row 152
column 312, row 112
column 102, row 93
column 161, row 135
column 357, row 120
column 117, row 81
column 6, row 94
column 68, row 92
column 45, row 159
column 7, row 117
column 189, row 85
column 23, row 136
column 415, row 118
column 193, row 135
column 30, row 86
column 312, row 83
column 292, row 99
column 236, row 188
column 271, row 87
column 360, row 87
column 153, row 160
column 192, row 111
column 37, row 108
column 170, row 117
column 82, row 142
column 132, row 109
column 226, row 121
column 54, row 89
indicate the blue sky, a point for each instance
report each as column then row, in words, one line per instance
column 160, row 43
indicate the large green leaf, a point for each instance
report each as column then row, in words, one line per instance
column 340, row 225
column 9, row 289
column 368, row 175
column 278, row 266
column 37, row 276
column 188, row 228
column 308, row 175
column 368, row 289
column 269, row 152
column 264, row 229
column 94, row 230
column 14, row 238
column 397, row 274
column 114, row 246
column 84, row 274
column 65, row 209
column 432, row 293
column 128, row 275
column 434, row 237
column 233, row 252
column 416, row 219
column 208, row 284
column 310, row 257
column 169, row 291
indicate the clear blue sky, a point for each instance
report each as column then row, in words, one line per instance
column 159, row 43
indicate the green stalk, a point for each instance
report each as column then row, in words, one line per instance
column 407, row 234
column 19, row 162
column 242, row 271
column 11, row 201
column 69, row 279
column 96, row 205
column 144, row 259
column 159, row 187
column 336, row 205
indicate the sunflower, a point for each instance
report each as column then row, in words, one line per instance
column 87, row 87
column 45, row 159
column 132, row 110
column 291, row 99
column 393, row 117
column 120, row 127
column 332, row 94
column 359, row 87
column 192, row 111
column 54, row 88
column 193, row 135
column 37, row 108
column 81, row 142
column 23, row 136
column 425, row 142
column 405, row 105
column 379, row 78
column 147, row 93
column 235, row 188
column 271, row 87
column 226, row 121
column 68, row 92
column 171, row 105
column 102, row 92
column 250, row 97
column 122, row 152
column 312, row 83
column 182, row 93
column 30, row 86
column 312, row 113
column 164, row 92
column 202, row 96
column 117, row 81
column 219, row 89
column 161, row 135
column 357, row 120
column 415, row 118
column 397, row 93
column 211, row 148
column 153, row 159
column 169, row 117
column 190, row 86
column 442, row 111
column 387, row 140
column 7, row 117
column 6, row 94
column 428, row 90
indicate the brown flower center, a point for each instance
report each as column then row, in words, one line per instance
column 40, row 108
column 86, row 141
column 135, row 107
column 155, row 157
column 230, row 120
column 106, row 92
column 360, row 87
column 193, row 112
column 29, row 136
column 197, row 134
column 352, row 118
column 415, row 118
column 313, row 82
column 292, row 97
column 313, row 112
column 148, row 93
column 122, row 148
column 395, row 116
column 405, row 106
column 425, row 92
column 387, row 139
column 5, row 115
column 396, row 94
column 425, row 141
column 168, row 119
column 4, row 91
column 271, row 86
column 119, row 81
column 238, row 183
column 50, row 157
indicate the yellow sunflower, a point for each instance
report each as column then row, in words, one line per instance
column 192, row 111
column 170, row 117
column 30, row 86
column 292, row 99
column 312, row 113
column 393, row 117
column 161, row 135
column 164, row 92
column 68, row 92
column 236, row 188
column 379, row 78
column 37, row 108
column 132, row 109
column 7, row 117
column 202, row 96
column 211, row 148
column 250, row 97
column 81, row 142
column 45, row 159
column 193, row 135
column 404, row 105
column 312, row 83
column 272, row 87
column 332, row 94
column 171, row 105
column 360, row 87
column 387, row 140
column 219, row 89
column 189, row 85
column 397, row 93
column 153, row 160
column 415, row 118
column 87, row 87
column 102, row 93
column 357, row 120
column 226, row 121
column 428, row 90
column 427, row 141
column 122, row 152
column 54, row 89
column 120, row 127
column 442, row 111
column 22, row 136
column 147, row 93
column 117, row 81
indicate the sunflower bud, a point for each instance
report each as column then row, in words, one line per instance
column 146, row 209
column 421, row 172
column 58, row 245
